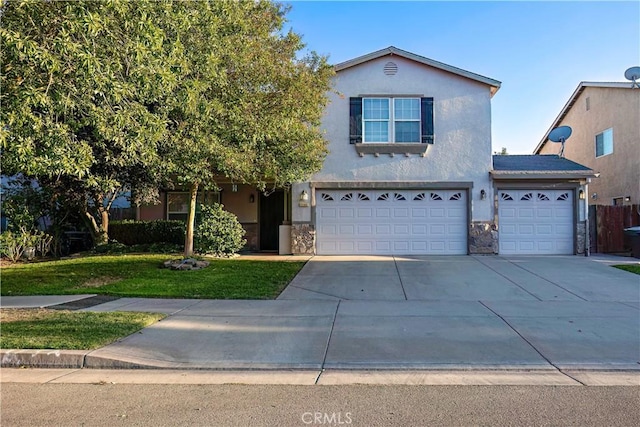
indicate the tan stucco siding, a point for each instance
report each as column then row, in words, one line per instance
column 615, row 108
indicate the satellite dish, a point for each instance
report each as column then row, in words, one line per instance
column 633, row 74
column 560, row 134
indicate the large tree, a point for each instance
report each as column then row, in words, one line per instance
column 78, row 90
column 245, row 106
column 101, row 97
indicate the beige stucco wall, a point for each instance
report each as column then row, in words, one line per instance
column 239, row 203
column 616, row 108
column 462, row 122
column 236, row 202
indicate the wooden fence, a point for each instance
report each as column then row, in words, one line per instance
column 607, row 224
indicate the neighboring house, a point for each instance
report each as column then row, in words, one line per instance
column 604, row 118
column 410, row 172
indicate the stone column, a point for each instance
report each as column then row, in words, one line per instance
column 483, row 238
column 303, row 239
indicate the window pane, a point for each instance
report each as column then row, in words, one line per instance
column 407, row 131
column 598, row 145
column 604, row 143
column 376, row 131
column 178, row 202
column 607, row 141
column 376, row 109
column 407, row 109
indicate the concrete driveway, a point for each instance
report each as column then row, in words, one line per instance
column 556, row 314
column 464, row 278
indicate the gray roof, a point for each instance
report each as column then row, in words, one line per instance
column 392, row 50
column 539, row 163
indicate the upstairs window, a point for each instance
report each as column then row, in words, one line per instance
column 388, row 120
column 604, row 143
column 391, row 120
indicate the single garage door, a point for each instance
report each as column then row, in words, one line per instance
column 387, row 222
column 536, row 222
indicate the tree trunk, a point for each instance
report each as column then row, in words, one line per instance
column 99, row 232
column 104, row 226
column 191, row 219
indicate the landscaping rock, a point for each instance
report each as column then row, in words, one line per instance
column 185, row 264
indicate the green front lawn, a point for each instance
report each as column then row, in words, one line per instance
column 56, row 329
column 141, row 276
column 633, row 268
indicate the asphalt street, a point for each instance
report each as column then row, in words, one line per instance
column 107, row 404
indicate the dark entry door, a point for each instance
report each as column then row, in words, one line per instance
column 271, row 217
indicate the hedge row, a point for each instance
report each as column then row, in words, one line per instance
column 129, row 232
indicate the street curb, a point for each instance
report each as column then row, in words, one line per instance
column 321, row 378
column 43, row 358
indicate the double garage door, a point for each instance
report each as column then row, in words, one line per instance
column 434, row 222
column 536, row 222
column 400, row 222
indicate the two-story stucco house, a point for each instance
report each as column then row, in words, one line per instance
column 606, row 137
column 410, row 172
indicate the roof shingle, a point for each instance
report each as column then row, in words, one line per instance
column 532, row 162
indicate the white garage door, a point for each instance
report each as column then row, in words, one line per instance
column 401, row 222
column 536, row 222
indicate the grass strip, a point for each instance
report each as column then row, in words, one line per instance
column 141, row 276
column 632, row 268
column 68, row 330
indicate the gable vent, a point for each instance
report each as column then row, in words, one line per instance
column 390, row 68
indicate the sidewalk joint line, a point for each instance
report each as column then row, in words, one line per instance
column 530, row 344
column 400, row 278
column 500, row 274
column 184, row 308
column 326, row 350
column 545, row 279
column 316, row 292
column 73, row 371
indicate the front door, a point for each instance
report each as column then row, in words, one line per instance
column 271, row 217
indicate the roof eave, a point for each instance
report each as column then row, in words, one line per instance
column 533, row 174
column 391, row 50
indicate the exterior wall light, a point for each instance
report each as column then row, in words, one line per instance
column 627, row 198
column 304, row 199
column 483, row 194
column 581, row 194
column 252, row 198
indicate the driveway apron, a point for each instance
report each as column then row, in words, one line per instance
column 543, row 313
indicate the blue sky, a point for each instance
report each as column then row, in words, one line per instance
column 540, row 51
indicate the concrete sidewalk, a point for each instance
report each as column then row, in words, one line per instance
column 543, row 315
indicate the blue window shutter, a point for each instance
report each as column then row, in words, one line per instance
column 355, row 120
column 426, row 120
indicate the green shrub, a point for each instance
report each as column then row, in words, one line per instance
column 28, row 244
column 218, row 232
column 113, row 247
column 129, row 232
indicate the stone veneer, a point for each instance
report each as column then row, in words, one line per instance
column 483, row 238
column 580, row 236
column 303, row 239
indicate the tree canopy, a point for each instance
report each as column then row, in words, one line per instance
column 104, row 97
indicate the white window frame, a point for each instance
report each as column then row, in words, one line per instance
column 610, row 130
column 391, row 130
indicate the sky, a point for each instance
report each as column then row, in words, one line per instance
column 539, row 50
